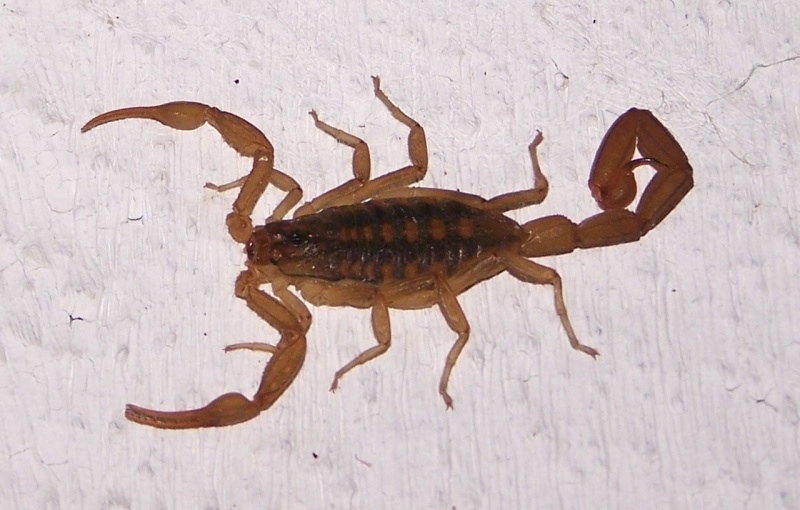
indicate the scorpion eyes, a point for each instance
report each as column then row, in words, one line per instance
column 296, row 237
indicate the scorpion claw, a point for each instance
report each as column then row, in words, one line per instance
column 228, row 409
column 448, row 400
column 589, row 350
column 233, row 408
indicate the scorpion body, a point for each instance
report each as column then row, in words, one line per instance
column 380, row 244
column 384, row 241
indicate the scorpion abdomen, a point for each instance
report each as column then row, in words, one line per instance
column 385, row 240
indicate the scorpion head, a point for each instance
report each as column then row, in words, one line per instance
column 290, row 245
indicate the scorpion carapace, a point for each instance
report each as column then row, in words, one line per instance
column 380, row 244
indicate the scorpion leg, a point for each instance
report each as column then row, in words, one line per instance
column 280, row 180
column 287, row 359
column 531, row 272
column 361, row 169
column 454, row 315
column 383, row 334
column 524, row 198
column 242, row 136
column 500, row 203
column 361, row 188
column 445, row 297
column 417, row 153
column 357, row 295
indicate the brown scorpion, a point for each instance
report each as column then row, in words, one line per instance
column 380, row 244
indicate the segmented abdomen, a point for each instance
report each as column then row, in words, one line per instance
column 388, row 240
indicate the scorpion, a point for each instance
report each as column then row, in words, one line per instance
column 381, row 243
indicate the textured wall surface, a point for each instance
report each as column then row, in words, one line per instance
column 116, row 270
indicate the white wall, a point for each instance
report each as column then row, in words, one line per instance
column 692, row 404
